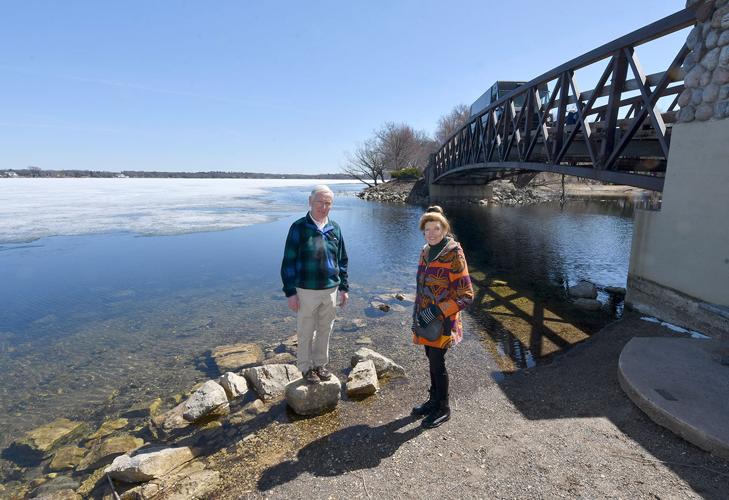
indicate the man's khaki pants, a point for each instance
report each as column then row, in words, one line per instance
column 314, row 323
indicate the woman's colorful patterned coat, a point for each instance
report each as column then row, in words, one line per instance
column 445, row 283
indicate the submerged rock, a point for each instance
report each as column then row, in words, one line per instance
column 208, row 401
column 362, row 380
column 144, row 410
column 384, row 366
column 150, row 464
column 67, row 457
column 39, row 442
column 233, row 357
column 584, row 290
column 615, row 290
column 313, row 399
column 54, row 487
column 269, row 381
column 588, row 304
column 108, row 428
column 104, row 452
column 64, row 494
column 282, row 358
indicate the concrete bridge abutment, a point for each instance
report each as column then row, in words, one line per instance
column 458, row 193
column 679, row 265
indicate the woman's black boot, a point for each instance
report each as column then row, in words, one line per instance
column 441, row 414
column 427, row 407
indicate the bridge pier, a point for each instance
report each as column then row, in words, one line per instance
column 679, row 265
column 458, row 193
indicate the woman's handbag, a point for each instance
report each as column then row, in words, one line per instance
column 431, row 332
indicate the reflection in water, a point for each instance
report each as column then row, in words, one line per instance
column 522, row 260
column 518, row 328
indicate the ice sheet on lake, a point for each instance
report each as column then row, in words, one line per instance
column 37, row 208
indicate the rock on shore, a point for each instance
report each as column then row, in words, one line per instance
column 313, row 399
column 395, row 191
column 151, row 464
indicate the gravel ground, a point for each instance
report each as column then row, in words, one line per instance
column 562, row 429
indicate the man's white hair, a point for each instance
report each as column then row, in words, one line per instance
column 320, row 188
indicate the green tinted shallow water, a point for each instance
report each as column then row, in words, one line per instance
column 95, row 324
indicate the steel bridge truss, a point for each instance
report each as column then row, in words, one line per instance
column 623, row 141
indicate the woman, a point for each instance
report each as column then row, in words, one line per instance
column 443, row 290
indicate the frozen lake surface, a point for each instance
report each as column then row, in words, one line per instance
column 31, row 209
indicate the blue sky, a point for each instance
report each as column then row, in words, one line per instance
column 270, row 86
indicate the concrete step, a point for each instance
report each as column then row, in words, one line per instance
column 681, row 384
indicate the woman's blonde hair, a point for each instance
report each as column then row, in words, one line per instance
column 435, row 214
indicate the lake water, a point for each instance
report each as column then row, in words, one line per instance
column 113, row 291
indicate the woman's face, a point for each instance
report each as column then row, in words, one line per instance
column 433, row 232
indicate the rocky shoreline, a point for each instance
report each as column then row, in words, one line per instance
column 544, row 188
column 161, row 449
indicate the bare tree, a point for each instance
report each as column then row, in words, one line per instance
column 366, row 164
column 398, row 145
column 393, row 147
column 404, row 147
column 425, row 147
column 452, row 122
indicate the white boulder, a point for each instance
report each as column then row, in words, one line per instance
column 269, row 381
column 208, row 400
column 362, row 380
column 233, row 384
column 149, row 465
column 313, row 399
column 384, row 366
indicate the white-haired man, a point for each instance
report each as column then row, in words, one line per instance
column 314, row 275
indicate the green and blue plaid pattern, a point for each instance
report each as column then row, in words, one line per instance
column 314, row 259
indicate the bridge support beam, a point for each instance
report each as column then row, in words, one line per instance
column 679, row 265
column 458, row 193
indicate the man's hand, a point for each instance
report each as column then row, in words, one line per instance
column 343, row 298
column 293, row 303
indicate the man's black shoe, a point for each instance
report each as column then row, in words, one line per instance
column 311, row 377
column 323, row 373
column 437, row 417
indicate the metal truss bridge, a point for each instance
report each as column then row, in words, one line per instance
column 614, row 132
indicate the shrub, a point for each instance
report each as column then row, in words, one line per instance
column 405, row 173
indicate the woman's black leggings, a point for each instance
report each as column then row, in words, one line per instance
column 438, row 373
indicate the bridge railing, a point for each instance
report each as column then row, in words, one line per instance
column 625, row 140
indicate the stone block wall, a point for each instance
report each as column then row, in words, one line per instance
column 706, row 68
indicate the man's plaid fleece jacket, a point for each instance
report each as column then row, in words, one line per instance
column 314, row 259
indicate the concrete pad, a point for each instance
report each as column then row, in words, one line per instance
column 682, row 385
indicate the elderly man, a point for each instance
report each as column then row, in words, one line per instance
column 314, row 275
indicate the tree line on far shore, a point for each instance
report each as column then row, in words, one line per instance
column 37, row 172
column 399, row 151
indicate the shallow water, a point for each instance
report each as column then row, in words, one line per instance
column 94, row 323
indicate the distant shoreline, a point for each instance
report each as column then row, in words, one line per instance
column 34, row 172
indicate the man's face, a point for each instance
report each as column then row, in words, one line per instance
column 320, row 205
